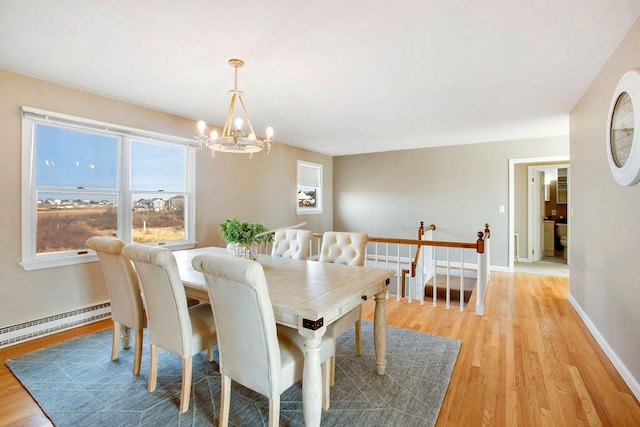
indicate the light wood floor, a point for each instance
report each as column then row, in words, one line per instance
column 529, row 361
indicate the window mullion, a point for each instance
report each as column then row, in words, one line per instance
column 125, row 218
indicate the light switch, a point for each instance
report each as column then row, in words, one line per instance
column 501, row 209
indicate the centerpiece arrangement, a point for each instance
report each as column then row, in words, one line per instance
column 243, row 237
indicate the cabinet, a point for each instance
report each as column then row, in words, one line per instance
column 561, row 187
column 549, row 238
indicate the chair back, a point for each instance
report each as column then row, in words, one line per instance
column 344, row 248
column 246, row 327
column 122, row 282
column 291, row 243
column 167, row 309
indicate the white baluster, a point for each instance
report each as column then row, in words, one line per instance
column 435, row 274
column 448, row 278
column 398, row 274
column 461, row 279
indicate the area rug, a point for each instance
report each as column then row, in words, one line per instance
column 76, row 384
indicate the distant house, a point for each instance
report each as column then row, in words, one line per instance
column 156, row 205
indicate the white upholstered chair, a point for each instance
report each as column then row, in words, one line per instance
column 254, row 351
column 351, row 249
column 173, row 326
column 127, row 308
column 291, row 243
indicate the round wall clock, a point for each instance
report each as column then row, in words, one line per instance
column 623, row 143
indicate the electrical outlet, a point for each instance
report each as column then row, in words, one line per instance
column 553, row 211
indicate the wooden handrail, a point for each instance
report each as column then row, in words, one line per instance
column 478, row 245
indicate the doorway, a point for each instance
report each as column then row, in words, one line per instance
column 528, row 210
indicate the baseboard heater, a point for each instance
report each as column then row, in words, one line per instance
column 32, row 329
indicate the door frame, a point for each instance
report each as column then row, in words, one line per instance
column 512, row 163
column 535, row 225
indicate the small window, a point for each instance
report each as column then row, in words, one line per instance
column 309, row 188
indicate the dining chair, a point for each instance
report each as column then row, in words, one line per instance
column 254, row 351
column 291, row 243
column 350, row 249
column 172, row 324
column 127, row 309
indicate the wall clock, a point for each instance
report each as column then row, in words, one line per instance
column 623, row 142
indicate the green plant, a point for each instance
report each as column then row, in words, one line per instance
column 235, row 231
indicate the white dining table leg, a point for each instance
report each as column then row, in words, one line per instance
column 312, row 379
column 380, row 331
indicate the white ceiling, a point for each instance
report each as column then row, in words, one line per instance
column 337, row 77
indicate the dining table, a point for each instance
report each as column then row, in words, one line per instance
column 308, row 295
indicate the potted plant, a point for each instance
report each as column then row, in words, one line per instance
column 241, row 236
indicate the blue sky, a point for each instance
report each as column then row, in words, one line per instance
column 70, row 158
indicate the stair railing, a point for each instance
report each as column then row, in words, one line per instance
column 419, row 262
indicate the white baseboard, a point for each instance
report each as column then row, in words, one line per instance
column 613, row 357
column 32, row 329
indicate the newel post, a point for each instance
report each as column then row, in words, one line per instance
column 482, row 274
column 487, row 247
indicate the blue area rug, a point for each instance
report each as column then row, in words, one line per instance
column 76, row 384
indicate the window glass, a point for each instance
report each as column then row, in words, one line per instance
column 158, row 218
column 71, row 158
column 158, row 167
column 66, row 220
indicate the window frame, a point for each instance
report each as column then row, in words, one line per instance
column 31, row 260
column 318, row 209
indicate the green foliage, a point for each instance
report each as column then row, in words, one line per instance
column 236, row 231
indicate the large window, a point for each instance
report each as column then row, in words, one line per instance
column 83, row 178
column 309, row 180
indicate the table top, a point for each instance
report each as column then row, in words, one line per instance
column 299, row 288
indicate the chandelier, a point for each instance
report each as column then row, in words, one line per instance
column 233, row 138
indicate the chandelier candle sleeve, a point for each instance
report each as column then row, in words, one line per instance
column 233, row 138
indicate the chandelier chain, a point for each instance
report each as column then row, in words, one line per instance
column 235, row 82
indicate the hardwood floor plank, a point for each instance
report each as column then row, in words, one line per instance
column 528, row 361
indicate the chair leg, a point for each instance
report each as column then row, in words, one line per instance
column 185, row 393
column 153, row 368
column 332, row 370
column 274, row 411
column 358, row 344
column 115, row 340
column 137, row 355
column 326, row 389
column 210, row 354
column 225, row 400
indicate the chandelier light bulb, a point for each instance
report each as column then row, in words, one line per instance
column 238, row 123
column 252, row 136
column 269, row 132
column 201, row 127
column 214, row 135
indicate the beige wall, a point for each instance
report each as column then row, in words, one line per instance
column 605, row 225
column 262, row 189
column 458, row 189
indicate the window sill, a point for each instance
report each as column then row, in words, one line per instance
column 308, row 211
column 70, row 259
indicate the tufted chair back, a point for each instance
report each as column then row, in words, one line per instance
column 344, row 248
column 350, row 249
column 291, row 243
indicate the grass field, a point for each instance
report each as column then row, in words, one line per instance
column 68, row 229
